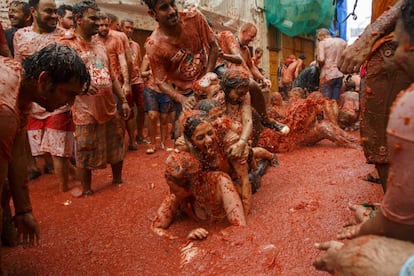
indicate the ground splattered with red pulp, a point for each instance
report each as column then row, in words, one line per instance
column 301, row 202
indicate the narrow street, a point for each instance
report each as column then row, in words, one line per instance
column 301, row 202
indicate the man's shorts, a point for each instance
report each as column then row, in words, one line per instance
column 9, row 124
column 100, row 144
column 155, row 101
column 135, row 98
column 53, row 135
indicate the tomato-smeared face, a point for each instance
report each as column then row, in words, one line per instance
column 204, row 137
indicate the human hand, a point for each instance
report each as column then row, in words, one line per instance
column 220, row 53
column 327, row 262
column 362, row 213
column 126, row 110
column 237, row 149
column 126, row 89
column 163, row 233
column 349, row 232
column 268, row 83
column 353, row 56
column 188, row 103
column 180, row 142
column 27, row 229
column 93, row 89
column 198, row 234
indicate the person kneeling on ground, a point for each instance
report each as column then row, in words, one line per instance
column 203, row 196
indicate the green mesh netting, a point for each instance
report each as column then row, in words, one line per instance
column 297, row 17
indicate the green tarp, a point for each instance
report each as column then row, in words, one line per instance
column 297, row 17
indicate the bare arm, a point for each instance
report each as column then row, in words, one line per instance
column 238, row 149
column 168, row 89
column 379, row 225
column 355, row 54
column 4, row 50
column 145, row 68
column 165, row 216
column 116, row 87
column 25, row 222
column 126, row 88
column 212, row 56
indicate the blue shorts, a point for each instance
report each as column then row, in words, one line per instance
column 155, row 101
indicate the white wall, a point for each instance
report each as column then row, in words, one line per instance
column 363, row 12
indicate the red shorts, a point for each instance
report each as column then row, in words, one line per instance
column 135, row 98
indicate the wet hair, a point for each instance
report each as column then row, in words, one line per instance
column 297, row 91
column 25, row 6
column 112, row 17
column 200, row 85
column 192, row 122
column 102, row 16
column 407, row 18
column 33, row 3
column 79, row 9
column 276, row 96
column 233, row 78
column 322, row 31
column 248, row 26
column 151, row 4
column 60, row 62
column 206, row 105
column 123, row 21
column 182, row 168
column 61, row 10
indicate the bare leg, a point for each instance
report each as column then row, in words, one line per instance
column 48, row 163
column 153, row 118
column 130, row 128
column 34, row 171
column 61, row 165
column 86, row 181
column 246, row 187
column 140, row 119
column 261, row 153
column 163, row 127
column 326, row 130
column 117, row 172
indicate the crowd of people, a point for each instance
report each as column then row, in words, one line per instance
column 75, row 83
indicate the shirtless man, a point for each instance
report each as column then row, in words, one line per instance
column 182, row 49
column 236, row 54
column 51, row 82
column 289, row 72
column 203, row 196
